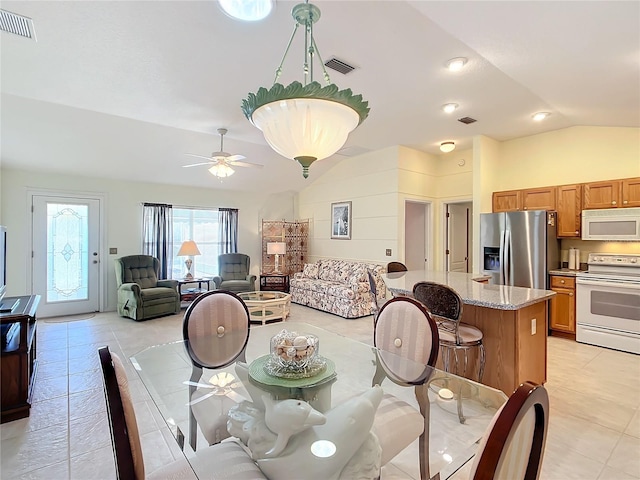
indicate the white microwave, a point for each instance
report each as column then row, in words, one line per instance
column 613, row 224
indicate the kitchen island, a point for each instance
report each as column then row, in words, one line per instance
column 513, row 321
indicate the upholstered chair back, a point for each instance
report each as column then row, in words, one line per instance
column 234, row 266
column 140, row 269
column 216, row 329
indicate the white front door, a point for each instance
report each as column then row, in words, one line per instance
column 65, row 267
column 458, row 229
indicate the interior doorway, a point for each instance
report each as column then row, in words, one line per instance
column 416, row 235
column 459, row 241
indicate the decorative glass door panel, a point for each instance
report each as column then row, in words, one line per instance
column 67, row 248
column 65, row 254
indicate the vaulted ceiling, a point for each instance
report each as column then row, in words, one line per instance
column 123, row 89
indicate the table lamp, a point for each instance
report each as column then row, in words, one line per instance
column 277, row 249
column 187, row 249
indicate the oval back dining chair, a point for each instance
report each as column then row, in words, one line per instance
column 216, row 331
column 513, row 446
column 405, row 329
column 227, row 460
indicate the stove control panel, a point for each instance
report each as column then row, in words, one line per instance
column 627, row 259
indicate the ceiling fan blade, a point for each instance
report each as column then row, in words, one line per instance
column 198, row 164
column 233, row 158
column 198, row 156
column 245, row 164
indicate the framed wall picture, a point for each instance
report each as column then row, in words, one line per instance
column 341, row 220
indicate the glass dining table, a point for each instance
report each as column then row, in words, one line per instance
column 166, row 369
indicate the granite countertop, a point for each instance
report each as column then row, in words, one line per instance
column 501, row 297
column 566, row 272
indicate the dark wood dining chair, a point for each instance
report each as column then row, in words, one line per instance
column 216, row 330
column 227, row 460
column 445, row 305
column 513, row 446
column 396, row 267
column 405, row 329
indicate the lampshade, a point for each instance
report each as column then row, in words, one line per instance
column 305, row 122
column 221, row 170
column 276, row 248
column 188, row 247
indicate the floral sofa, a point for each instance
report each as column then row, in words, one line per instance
column 340, row 287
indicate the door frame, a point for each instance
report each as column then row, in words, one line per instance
column 445, row 232
column 102, row 248
column 428, row 225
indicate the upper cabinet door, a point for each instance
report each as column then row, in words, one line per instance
column 539, row 198
column 631, row 192
column 510, row 201
column 601, row 195
column 569, row 210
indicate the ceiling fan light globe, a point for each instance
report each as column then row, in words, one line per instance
column 305, row 127
column 221, row 170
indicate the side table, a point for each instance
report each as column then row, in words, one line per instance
column 274, row 282
column 189, row 294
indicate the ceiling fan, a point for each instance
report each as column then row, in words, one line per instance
column 220, row 163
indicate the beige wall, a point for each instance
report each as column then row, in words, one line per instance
column 123, row 222
column 570, row 155
column 370, row 182
column 379, row 183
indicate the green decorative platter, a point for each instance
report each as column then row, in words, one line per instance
column 257, row 372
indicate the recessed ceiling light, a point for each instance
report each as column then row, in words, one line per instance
column 538, row 117
column 247, row 10
column 449, row 107
column 447, row 147
column 456, row 64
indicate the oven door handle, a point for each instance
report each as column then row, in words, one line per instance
column 609, row 284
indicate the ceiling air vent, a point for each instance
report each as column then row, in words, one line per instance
column 339, row 66
column 16, row 24
column 467, row 120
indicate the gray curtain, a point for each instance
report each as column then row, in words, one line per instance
column 157, row 234
column 228, row 230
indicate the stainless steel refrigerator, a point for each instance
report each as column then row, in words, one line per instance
column 519, row 248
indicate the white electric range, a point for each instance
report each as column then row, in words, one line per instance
column 608, row 302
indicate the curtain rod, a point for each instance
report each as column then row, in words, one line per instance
column 191, row 207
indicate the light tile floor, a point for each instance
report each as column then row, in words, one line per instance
column 594, row 430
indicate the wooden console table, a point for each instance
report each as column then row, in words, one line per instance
column 274, row 282
column 18, row 362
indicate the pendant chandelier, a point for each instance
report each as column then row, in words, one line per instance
column 305, row 121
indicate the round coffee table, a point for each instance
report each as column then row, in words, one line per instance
column 268, row 305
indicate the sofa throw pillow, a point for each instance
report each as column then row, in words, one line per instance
column 310, row 270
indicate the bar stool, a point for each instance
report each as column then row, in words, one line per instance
column 396, row 267
column 445, row 306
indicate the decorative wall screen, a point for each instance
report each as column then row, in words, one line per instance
column 295, row 235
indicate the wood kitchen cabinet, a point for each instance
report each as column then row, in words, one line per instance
column 569, row 203
column 563, row 306
column 601, row 195
column 529, row 199
column 631, row 192
column 539, row 198
column 508, row 201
